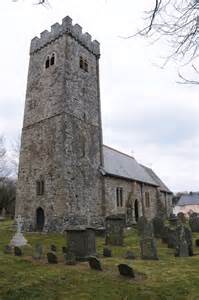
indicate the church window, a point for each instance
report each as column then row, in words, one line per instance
column 52, row 60
column 147, row 199
column 81, row 62
column 47, row 62
column 119, row 196
column 40, row 187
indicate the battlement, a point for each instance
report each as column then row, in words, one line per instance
column 57, row 30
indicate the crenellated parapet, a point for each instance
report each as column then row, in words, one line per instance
column 57, row 30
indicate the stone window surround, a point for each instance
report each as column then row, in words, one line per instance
column 83, row 63
column 119, row 196
column 40, row 187
column 50, row 60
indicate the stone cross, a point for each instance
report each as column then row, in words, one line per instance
column 19, row 221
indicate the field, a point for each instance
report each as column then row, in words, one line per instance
column 22, row 278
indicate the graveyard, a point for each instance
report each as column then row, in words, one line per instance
column 23, row 277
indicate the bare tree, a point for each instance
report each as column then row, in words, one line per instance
column 177, row 22
column 4, row 170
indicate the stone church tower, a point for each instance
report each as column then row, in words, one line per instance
column 61, row 150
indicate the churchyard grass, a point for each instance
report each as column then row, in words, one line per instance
column 23, row 278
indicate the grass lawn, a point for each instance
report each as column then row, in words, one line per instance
column 22, row 278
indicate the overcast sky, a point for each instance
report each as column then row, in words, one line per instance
column 145, row 113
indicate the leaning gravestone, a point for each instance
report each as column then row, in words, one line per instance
column 38, row 251
column 52, row 258
column 114, row 230
column 81, row 242
column 94, row 263
column 125, row 270
column 194, row 222
column 188, row 238
column 17, row 251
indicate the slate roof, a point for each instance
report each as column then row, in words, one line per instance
column 189, row 199
column 159, row 182
column 122, row 165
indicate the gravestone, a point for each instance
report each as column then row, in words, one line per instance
column 114, row 230
column 126, row 271
column 7, row 249
column 148, row 249
column 172, row 238
column 129, row 255
column 158, row 225
column 145, row 228
column 52, row 258
column 53, row 248
column 94, row 263
column 38, row 251
column 81, row 242
column 194, row 222
column 70, row 258
column 181, row 217
column 165, row 234
column 107, row 252
column 188, row 238
column 182, row 249
column 17, row 251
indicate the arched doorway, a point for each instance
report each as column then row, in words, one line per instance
column 136, row 209
column 40, row 219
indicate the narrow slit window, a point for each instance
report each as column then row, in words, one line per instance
column 52, row 60
column 47, row 64
column 81, row 62
column 85, row 66
column 40, row 187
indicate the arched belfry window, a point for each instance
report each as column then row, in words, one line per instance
column 52, row 60
column 47, row 64
column 83, row 64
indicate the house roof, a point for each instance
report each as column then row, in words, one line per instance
column 159, row 182
column 189, row 199
column 122, row 165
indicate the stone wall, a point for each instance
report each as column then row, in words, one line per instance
column 132, row 191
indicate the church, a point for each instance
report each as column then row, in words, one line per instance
column 66, row 175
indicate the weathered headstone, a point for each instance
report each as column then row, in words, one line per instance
column 148, row 249
column 53, row 248
column 125, row 270
column 188, row 238
column 181, row 217
column 115, row 230
column 158, row 225
column 94, row 263
column 182, row 249
column 129, row 255
column 17, row 251
column 81, row 242
column 38, row 251
column 107, row 252
column 7, row 249
column 194, row 222
column 70, row 258
column 145, row 228
column 172, row 237
column 52, row 258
